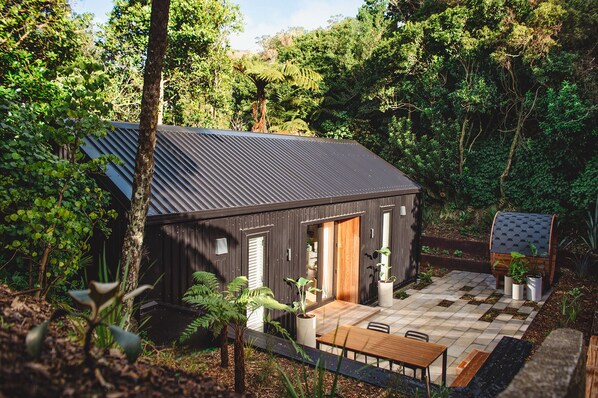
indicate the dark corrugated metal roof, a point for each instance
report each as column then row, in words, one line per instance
column 200, row 170
column 513, row 232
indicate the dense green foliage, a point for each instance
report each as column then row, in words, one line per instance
column 483, row 102
column 50, row 99
column 197, row 75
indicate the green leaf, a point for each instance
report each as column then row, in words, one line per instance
column 130, row 342
column 35, row 339
column 82, row 297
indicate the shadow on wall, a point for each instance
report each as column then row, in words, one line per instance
column 176, row 251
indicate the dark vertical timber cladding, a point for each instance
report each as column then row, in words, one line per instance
column 180, row 249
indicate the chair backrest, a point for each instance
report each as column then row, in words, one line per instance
column 379, row 327
column 412, row 334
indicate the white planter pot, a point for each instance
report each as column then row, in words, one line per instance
column 508, row 285
column 534, row 288
column 385, row 290
column 518, row 292
column 306, row 330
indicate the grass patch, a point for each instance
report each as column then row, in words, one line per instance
column 470, row 299
column 490, row 315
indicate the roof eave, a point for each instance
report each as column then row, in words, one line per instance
column 238, row 211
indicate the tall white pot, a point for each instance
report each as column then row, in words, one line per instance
column 306, row 330
column 518, row 291
column 508, row 285
column 534, row 288
column 385, row 290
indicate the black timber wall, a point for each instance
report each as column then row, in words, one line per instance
column 178, row 249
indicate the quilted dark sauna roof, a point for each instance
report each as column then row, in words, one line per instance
column 198, row 170
column 512, row 232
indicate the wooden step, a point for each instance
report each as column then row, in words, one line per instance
column 470, row 369
column 592, row 359
column 592, row 368
column 466, row 361
column 591, row 382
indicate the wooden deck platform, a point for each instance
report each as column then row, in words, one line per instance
column 341, row 313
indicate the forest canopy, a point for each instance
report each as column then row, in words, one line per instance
column 486, row 103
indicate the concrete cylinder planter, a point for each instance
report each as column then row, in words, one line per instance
column 508, row 285
column 306, row 330
column 518, row 291
column 385, row 291
column 534, row 288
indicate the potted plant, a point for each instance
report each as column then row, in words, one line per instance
column 534, row 277
column 518, row 271
column 508, row 285
column 306, row 322
column 386, row 282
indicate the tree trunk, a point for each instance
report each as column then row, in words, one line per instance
column 260, row 110
column 224, row 347
column 161, row 106
column 507, row 169
column 144, row 160
column 462, row 144
column 239, row 359
column 522, row 116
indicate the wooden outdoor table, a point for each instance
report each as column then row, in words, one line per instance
column 399, row 349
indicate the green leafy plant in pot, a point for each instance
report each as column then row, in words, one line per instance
column 386, row 282
column 306, row 322
column 518, row 271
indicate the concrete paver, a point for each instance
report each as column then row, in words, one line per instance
column 457, row 326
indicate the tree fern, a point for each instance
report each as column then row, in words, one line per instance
column 223, row 307
column 262, row 73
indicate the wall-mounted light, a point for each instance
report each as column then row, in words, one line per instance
column 288, row 254
column 220, row 246
column 372, row 233
column 403, row 211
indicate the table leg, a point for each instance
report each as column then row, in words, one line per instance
column 426, row 371
column 444, row 357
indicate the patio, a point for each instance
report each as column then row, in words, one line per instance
column 449, row 311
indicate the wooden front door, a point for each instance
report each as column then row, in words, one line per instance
column 347, row 260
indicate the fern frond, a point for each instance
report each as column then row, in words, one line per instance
column 207, row 279
column 237, row 284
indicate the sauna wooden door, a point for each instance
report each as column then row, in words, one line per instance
column 347, row 260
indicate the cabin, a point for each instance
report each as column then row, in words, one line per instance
column 266, row 206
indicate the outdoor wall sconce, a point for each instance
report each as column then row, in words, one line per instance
column 403, row 211
column 220, row 246
column 372, row 233
column 289, row 254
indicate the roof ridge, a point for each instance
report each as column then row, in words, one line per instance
column 166, row 128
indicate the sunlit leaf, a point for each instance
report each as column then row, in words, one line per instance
column 103, row 294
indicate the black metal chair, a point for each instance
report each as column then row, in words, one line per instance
column 412, row 334
column 378, row 327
